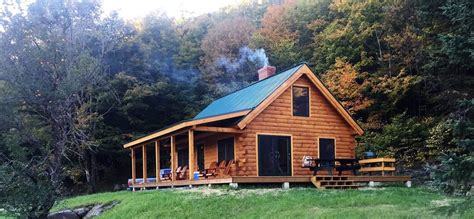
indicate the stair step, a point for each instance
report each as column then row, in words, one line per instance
column 319, row 178
column 333, row 182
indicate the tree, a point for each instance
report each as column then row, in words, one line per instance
column 53, row 76
column 349, row 86
column 353, row 33
column 455, row 175
column 223, row 43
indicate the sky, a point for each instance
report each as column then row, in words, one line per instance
column 129, row 9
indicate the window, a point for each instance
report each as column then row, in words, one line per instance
column 274, row 155
column 300, row 101
column 225, row 149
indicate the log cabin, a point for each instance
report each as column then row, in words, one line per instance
column 265, row 128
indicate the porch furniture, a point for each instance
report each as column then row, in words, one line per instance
column 165, row 173
column 222, row 164
column 347, row 165
column 182, row 173
column 221, row 167
column 211, row 171
column 378, row 165
column 229, row 165
column 339, row 164
column 167, row 176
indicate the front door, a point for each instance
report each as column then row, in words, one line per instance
column 327, row 149
column 274, row 155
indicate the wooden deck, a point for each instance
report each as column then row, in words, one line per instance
column 186, row 183
column 269, row 179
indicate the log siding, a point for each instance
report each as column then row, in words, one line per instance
column 324, row 121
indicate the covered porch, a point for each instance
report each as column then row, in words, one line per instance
column 181, row 153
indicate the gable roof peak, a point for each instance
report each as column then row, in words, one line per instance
column 248, row 97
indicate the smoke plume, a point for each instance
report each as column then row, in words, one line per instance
column 246, row 54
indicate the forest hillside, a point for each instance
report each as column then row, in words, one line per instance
column 76, row 84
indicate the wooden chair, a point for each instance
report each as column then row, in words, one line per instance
column 182, row 173
column 221, row 167
column 222, row 164
column 211, row 171
column 227, row 168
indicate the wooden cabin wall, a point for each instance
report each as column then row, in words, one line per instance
column 324, row 121
column 211, row 151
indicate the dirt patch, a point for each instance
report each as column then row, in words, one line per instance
column 371, row 188
column 239, row 193
column 442, row 203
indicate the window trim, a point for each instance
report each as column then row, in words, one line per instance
column 222, row 139
column 327, row 137
column 274, row 134
column 203, row 155
column 309, row 100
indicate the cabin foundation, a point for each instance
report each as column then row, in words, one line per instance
column 234, row 185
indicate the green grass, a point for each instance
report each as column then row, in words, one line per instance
column 222, row 202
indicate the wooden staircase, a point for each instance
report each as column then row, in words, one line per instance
column 333, row 182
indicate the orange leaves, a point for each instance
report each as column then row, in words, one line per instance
column 346, row 83
column 227, row 37
column 276, row 25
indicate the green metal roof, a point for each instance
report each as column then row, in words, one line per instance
column 248, row 97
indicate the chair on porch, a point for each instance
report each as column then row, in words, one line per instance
column 222, row 164
column 228, row 167
column 211, row 171
column 182, row 173
column 221, row 167
column 167, row 176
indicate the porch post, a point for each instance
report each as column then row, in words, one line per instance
column 157, row 161
column 134, row 173
column 173, row 164
column 145, row 175
column 191, row 153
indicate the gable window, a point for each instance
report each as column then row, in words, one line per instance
column 225, row 149
column 300, row 101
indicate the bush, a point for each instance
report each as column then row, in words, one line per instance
column 404, row 138
column 25, row 189
column 455, row 174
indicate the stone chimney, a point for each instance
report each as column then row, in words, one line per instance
column 265, row 72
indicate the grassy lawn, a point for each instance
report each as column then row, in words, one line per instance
column 222, row 202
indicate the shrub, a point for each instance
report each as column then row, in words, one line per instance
column 404, row 138
column 455, row 174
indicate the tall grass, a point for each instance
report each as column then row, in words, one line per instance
column 222, row 202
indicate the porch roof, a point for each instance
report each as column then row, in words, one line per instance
column 186, row 124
